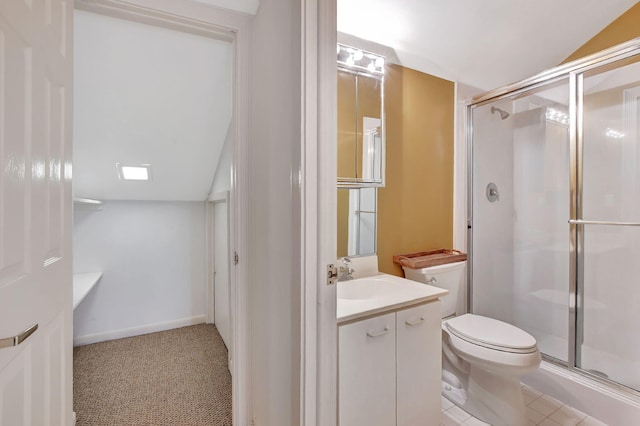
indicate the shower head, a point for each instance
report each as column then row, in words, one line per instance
column 503, row 114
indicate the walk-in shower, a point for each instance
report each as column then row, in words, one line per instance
column 558, row 252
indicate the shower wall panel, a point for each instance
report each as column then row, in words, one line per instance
column 493, row 250
column 521, row 242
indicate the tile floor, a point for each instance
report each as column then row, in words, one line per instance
column 541, row 410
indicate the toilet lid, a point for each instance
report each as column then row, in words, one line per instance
column 491, row 333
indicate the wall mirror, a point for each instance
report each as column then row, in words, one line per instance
column 357, row 221
column 361, row 130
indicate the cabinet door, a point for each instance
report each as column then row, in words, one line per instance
column 419, row 365
column 367, row 372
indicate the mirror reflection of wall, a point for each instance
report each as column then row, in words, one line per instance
column 357, row 219
column 371, row 148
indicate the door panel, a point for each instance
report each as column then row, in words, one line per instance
column 35, row 215
column 221, row 267
column 526, row 155
column 15, row 66
column 367, row 372
column 419, row 364
column 608, row 263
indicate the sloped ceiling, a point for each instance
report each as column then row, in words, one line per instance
column 486, row 43
column 147, row 95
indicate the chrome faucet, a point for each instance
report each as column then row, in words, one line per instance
column 345, row 270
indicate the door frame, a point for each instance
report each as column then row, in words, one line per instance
column 211, row 230
column 234, row 27
column 319, row 332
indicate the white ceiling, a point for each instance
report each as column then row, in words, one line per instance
column 486, row 43
column 145, row 94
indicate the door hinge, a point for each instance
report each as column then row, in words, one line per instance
column 236, row 259
column 332, row 274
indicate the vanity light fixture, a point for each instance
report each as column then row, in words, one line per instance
column 359, row 59
column 137, row 172
column 371, row 67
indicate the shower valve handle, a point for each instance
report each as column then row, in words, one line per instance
column 492, row 193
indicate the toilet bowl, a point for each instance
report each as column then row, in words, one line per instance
column 482, row 358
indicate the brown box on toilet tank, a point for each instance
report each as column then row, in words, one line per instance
column 426, row 259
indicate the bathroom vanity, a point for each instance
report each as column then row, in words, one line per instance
column 389, row 353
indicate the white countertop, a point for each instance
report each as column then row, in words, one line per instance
column 381, row 293
column 82, row 285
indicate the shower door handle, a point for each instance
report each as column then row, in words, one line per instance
column 601, row 222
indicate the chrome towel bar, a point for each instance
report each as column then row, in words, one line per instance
column 601, row 222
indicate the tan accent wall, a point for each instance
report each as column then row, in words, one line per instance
column 415, row 209
column 625, row 28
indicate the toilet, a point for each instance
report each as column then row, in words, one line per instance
column 483, row 359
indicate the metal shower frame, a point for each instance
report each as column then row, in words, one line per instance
column 574, row 71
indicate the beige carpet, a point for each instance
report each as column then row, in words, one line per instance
column 173, row 378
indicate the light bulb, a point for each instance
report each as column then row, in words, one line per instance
column 337, row 49
column 371, row 67
column 380, row 62
column 350, row 61
column 357, row 55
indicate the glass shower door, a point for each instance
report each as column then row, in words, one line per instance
column 520, row 240
column 608, row 213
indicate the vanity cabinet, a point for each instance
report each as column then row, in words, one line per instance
column 367, row 378
column 390, row 368
column 419, row 365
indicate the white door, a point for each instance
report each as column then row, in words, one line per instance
column 35, row 212
column 222, row 300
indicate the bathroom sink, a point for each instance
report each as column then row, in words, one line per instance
column 380, row 293
column 366, row 288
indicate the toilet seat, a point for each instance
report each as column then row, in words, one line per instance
column 491, row 334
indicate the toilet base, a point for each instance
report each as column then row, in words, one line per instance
column 491, row 398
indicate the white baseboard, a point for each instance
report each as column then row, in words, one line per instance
column 137, row 331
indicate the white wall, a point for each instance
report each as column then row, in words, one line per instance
column 152, row 258
column 274, row 213
column 147, row 94
column 222, row 177
column 521, row 242
column 492, row 222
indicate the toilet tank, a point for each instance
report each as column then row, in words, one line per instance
column 448, row 276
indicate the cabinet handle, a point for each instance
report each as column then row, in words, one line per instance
column 414, row 323
column 378, row 333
